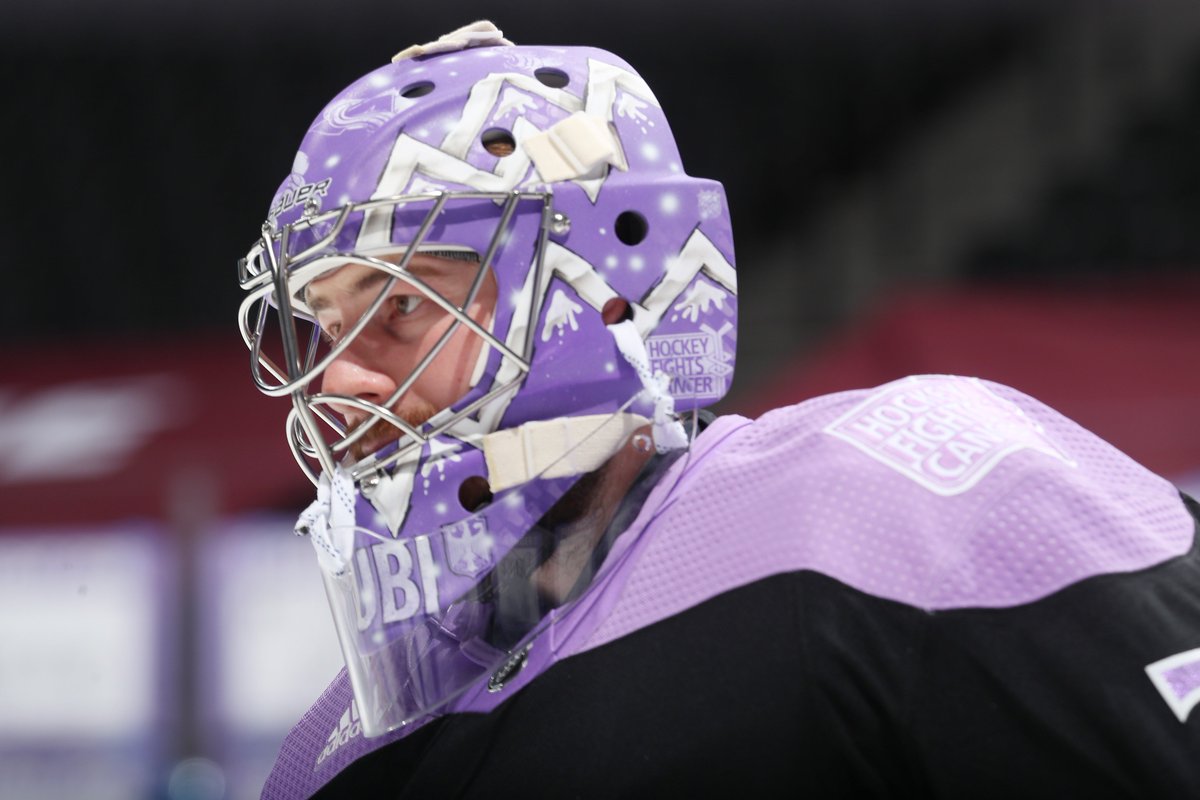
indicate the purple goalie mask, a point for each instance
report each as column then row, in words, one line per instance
column 549, row 177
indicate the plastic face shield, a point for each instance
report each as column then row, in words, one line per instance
column 424, row 616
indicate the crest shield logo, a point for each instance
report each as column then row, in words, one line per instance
column 362, row 113
column 468, row 547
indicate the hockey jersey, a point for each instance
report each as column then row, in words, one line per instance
column 936, row 586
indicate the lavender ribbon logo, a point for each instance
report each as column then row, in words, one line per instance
column 1177, row 679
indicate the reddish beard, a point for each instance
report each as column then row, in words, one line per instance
column 383, row 433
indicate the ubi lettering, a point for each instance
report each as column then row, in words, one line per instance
column 392, row 583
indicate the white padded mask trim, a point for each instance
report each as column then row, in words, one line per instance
column 555, row 448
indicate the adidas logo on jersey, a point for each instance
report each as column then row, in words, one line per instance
column 348, row 727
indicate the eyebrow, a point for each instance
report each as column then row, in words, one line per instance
column 372, row 280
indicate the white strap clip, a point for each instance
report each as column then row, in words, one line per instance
column 477, row 34
column 574, row 148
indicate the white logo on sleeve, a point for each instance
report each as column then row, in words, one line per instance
column 348, row 727
column 944, row 433
column 1177, row 679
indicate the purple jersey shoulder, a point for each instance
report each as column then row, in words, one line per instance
column 935, row 491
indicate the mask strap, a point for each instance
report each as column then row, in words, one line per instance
column 329, row 521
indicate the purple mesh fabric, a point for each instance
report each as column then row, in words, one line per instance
column 785, row 494
column 295, row 772
column 1184, row 680
column 938, row 492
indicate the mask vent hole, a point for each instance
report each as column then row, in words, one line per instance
column 631, row 227
column 419, row 89
column 554, row 78
column 616, row 310
column 498, row 142
column 474, row 493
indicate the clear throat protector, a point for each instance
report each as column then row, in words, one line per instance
column 422, row 618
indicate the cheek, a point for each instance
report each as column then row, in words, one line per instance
column 448, row 376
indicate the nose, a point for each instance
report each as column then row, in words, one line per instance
column 353, row 376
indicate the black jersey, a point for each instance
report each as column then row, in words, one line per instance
column 938, row 588
column 855, row 697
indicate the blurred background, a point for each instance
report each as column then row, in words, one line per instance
column 1008, row 189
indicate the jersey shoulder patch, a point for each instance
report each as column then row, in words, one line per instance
column 942, row 432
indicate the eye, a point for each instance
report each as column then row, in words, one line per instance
column 405, row 304
column 330, row 334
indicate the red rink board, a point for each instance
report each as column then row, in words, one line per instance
column 1121, row 360
column 167, row 429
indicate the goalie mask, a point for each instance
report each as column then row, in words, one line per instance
column 513, row 196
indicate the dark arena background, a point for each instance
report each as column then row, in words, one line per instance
column 1008, row 189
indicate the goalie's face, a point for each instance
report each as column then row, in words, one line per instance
column 402, row 334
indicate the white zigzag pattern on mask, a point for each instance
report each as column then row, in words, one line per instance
column 410, row 157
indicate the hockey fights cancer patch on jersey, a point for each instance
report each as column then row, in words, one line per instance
column 944, row 433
